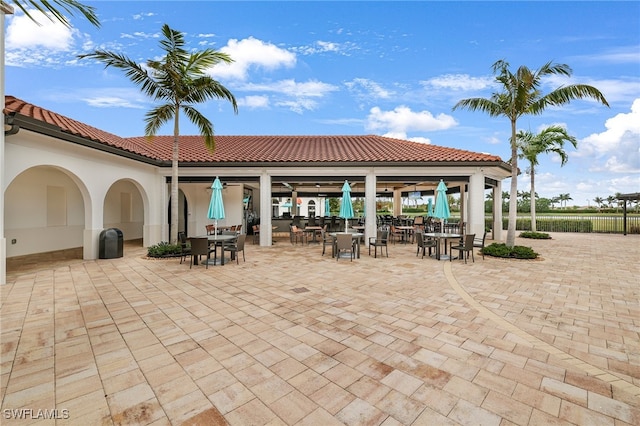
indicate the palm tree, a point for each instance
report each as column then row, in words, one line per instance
column 610, row 200
column 598, row 201
column 178, row 80
column 521, row 95
column 549, row 140
column 565, row 198
column 54, row 13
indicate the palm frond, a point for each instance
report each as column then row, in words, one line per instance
column 158, row 116
column 205, row 126
column 51, row 11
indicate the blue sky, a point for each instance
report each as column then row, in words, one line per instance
column 364, row 67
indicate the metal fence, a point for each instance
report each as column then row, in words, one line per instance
column 613, row 224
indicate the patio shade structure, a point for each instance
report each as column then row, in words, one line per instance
column 216, row 206
column 346, row 208
column 441, row 210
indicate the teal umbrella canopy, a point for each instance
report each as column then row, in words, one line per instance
column 441, row 210
column 216, row 206
column 346, row 208
column 327, row 207
column 430, row 208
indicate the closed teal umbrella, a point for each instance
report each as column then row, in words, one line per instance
column 216, row 206
column 346, row 208
column 327, row 207
column 441, row 210
column 430, row 208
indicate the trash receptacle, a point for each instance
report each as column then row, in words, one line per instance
column 110, row 244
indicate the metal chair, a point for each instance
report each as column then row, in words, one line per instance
column 465, row 248
column 479, row 242
column 236, row 247
column 380, row 240
column 200, row 247
column 184, row 246
column 345, row 242
column 424, row 243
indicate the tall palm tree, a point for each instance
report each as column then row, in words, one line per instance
column 521, row 95
column 54, row 13
column 564, row 198
column 178, row 80
column 530, row 146
column 598, row 201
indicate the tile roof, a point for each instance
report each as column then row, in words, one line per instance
column 261, row 149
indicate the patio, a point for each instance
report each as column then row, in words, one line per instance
column 292, row 337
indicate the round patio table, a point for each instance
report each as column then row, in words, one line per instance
column 442, row 236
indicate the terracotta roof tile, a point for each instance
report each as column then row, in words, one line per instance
column 279, row 149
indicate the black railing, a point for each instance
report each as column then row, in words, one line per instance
column 612, row 224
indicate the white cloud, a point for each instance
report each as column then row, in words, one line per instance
column 402, row 120
column 458, row 82
column 22, row 33
column 254, row 102
column 324, row 47
column 367, row 89
column 618, row 147
column 403, row 136
column 249, row 53
column 293, row 95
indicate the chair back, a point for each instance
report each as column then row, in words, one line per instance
column 182, row 238
column 468, row 241
column 210, row 229
column 383, row 236
column 199, row 246
column 344, row 241
column 420, row 238
column 418, row 221
column 240, row 242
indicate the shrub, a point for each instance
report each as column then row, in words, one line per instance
column 515, row 252
column 164, row 249
column 535, row 235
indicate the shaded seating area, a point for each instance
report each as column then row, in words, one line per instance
column 464, row 248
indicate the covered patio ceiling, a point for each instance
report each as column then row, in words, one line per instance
column 315, row 186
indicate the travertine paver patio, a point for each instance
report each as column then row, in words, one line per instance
column 291, row 337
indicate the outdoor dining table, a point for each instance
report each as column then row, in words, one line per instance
column 442, row 236
column 354, row 236
column 405, row 232
column 313, row 231
column 219, row 240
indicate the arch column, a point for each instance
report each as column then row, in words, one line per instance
column 370, row 206
column 475, row 205
column 266, row 233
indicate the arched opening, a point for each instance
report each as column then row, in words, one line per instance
column 124, row 209
column 183, row 212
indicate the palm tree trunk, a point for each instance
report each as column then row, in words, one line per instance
column 173, row 234
column 513, row 197
column 533, row 200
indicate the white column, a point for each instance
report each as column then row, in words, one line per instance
column 3, row 240
column 497, row 212
column 397, row 202
column 266, row 233
column 476, row 204
column 370, row 206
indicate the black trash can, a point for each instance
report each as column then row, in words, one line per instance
column 110, row 244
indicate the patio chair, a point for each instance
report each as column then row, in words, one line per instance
column 424, row 243
column 479, row 242
column 256, row 233
column 345, row 242
column 326, row 239
column 396, row 234
column 235, row 248
column 210, row 229
column 380, row 240
column 296, row 233
column 185, row 247
column 199, row 247
column 463, row 249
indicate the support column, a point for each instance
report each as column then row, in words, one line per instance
column 5, row 9
column 266, row 233
column 497, row 212
column 476, row 204
column 370, row 206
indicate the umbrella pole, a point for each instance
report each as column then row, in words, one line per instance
column 215, row 228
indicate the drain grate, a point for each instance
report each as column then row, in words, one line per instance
column 301, row 290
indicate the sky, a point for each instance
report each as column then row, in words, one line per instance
column 364, row 67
